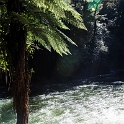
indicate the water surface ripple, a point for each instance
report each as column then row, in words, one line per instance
column 84, row 104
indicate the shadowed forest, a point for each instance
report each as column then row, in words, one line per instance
column 88, row 83
column 100, row 50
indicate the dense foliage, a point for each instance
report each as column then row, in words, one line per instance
column 24, row 24
column 43, row 20
column 100, row 50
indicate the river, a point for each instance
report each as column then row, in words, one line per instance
column 83, row 104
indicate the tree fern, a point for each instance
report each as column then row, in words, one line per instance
column 31, row 20
column 47, row 17
column 43, row 19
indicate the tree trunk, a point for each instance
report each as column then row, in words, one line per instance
column 16, row 45
column 20, row 84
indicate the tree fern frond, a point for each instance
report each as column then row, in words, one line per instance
column 36, row 36
column 49, row 5
column 49, row 18
column 46, row 19
column 60, row 10
column 20, row 17
column 66, row 37
column 77, row 23
column 52, row 38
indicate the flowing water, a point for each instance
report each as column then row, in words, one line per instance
column 83, row 104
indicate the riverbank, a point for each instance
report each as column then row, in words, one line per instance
column 52, row 85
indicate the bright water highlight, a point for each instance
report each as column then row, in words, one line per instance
column 84, row 104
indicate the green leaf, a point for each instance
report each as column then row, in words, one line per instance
column 93, row 5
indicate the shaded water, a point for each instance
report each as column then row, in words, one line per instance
column 83, row 104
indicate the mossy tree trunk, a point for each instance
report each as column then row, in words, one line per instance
column 16, row 45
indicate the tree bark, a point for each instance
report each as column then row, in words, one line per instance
column 16, row 45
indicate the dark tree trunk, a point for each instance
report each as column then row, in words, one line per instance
column 16, row 45
column 20, row 84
